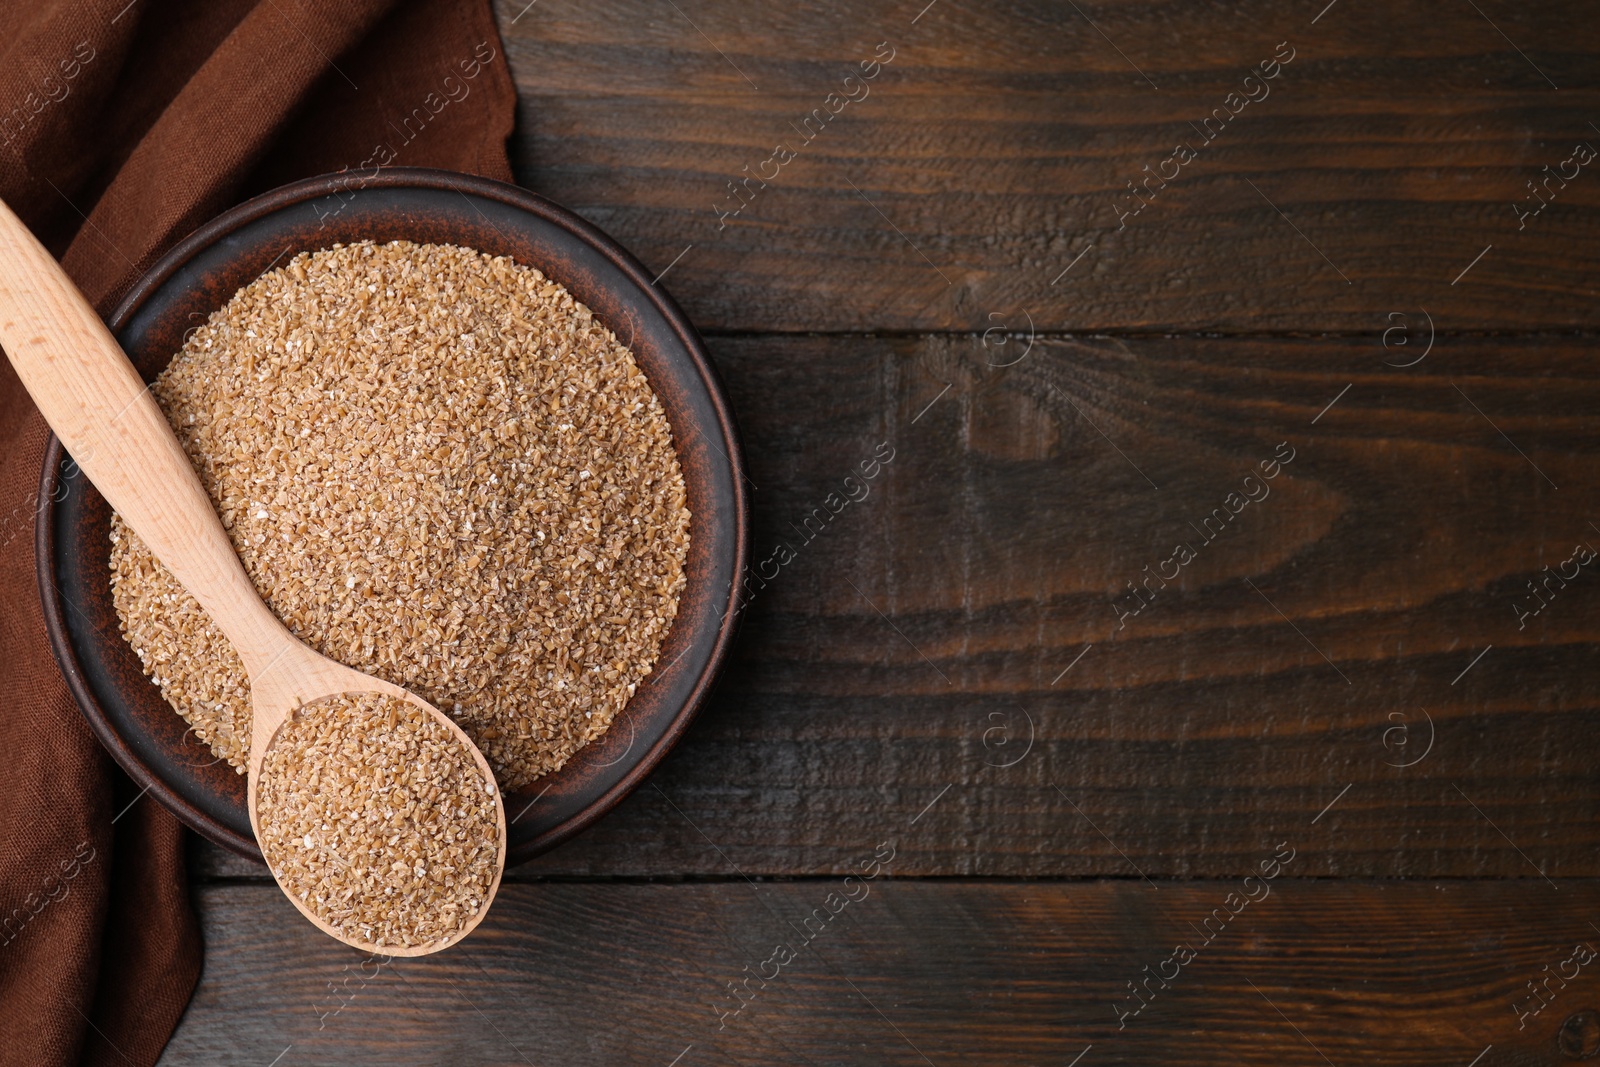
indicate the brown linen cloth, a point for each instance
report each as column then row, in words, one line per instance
column 123, row 126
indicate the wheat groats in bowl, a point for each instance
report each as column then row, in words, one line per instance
column 461, row 441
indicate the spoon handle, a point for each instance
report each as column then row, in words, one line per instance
column 97, row 404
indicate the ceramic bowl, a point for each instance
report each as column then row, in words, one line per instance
column 151, row 742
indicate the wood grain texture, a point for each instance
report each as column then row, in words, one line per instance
column 1000, row 141
column 914, row 973
column 904, row 656
column 935, row 659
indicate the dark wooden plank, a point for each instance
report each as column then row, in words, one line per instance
column 917, row 973
column 998, row 541
column 999, row 144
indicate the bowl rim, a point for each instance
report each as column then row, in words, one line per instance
column 317, row 187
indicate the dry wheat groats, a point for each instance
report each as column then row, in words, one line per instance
column 438, row 468
column 377, row 818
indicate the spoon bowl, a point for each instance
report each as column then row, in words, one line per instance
column 303, row 678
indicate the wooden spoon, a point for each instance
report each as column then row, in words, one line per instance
column 104, row 414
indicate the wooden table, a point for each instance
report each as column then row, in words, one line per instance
column 1321, row 789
